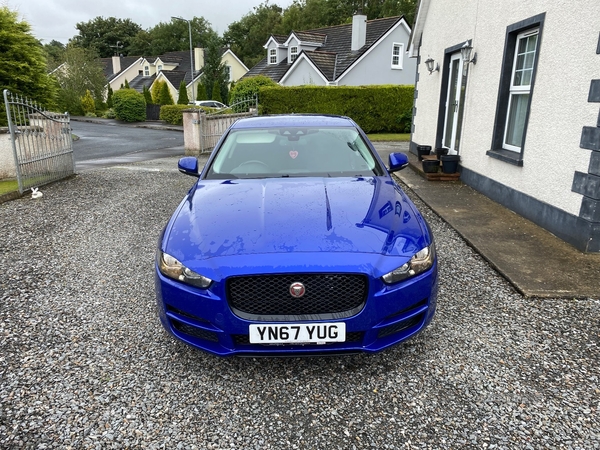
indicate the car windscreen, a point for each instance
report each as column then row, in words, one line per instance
column 294, row 152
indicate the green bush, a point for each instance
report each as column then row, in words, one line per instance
column 377, row 109
column 88, row 104
column 109, row 114
column 248, row 87
column 173, row 114
column 129, row 105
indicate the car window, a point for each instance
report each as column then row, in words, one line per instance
column 294, row 152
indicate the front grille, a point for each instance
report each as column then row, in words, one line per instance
column 267, row 297
column 244, row 339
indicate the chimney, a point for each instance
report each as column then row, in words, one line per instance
column 359, row 30
column 116, row 62
column 198, row 59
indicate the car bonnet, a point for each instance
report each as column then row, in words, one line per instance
column 274, row 215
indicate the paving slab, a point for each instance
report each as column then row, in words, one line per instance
column 534, row 261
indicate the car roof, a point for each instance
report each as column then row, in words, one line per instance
column 294, row 120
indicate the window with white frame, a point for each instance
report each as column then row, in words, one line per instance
column 146, row 71
column 397, row 53
column 228, row 73
column 516, row 89
column 272, row 56
column 159, row 68
column 293, row 54
column 520, row 89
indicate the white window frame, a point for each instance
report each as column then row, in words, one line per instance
column 400, row 56
column 522, row 89
column 293, row 53
column 272, row 56
column 159, row 68
column 146, row 71
column 229, row 73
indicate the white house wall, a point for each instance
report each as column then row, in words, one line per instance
column 376, row 67
column 559, row 108
column 128, row 74
column 304, row 74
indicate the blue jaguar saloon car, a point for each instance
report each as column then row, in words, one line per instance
column 295, row 240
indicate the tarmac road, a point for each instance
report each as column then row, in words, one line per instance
column 105, row 145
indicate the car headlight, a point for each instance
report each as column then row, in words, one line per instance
column 172, row 268
column 419, row 263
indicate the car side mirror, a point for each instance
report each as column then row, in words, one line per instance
column 189, row 166
column 398, row 161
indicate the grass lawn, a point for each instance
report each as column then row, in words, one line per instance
column 396, row 137
column 8, row 186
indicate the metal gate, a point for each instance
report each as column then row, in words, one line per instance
column 41, row 141
column 214, row 124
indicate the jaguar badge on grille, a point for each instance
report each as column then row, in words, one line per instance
column 297, row 290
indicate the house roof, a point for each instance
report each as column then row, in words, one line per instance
column 175, row 77
column 140, row 81
column 307, row 36
column 336, row 41
column 107, row 66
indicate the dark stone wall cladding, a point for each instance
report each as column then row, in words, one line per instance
column 588, row 184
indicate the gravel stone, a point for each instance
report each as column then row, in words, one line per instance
column 85, row 363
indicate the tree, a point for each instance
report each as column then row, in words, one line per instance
column 183, row 97
column 108, row 37
column 216, row 92
column 126, row 85
column 22, row 63
column 165, row 97
column 81, row 71
column 156, row 88
column 247, row 36
column 55, row 54
column 87, row 103
column 109, row 94
column 147, row 95
column 214, row 72
column 201, row 92
column 172, row 36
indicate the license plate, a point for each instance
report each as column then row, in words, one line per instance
column 298, row 333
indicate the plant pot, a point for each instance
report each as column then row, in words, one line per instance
column 450, row 163
column 441, row 152
column 423, row 150
column 431, row 166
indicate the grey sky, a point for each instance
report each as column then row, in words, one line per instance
column 56, row 19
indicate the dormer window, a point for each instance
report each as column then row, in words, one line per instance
column 293, row 54
column 272, row 56
column 159, row 68
column 146, row 71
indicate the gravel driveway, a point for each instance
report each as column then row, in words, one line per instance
column 85, row 363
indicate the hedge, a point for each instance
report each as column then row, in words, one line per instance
column 377, row 109
column 129, row 105
column 173, row 114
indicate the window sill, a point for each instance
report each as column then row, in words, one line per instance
column 396, row 68
column 507, row 156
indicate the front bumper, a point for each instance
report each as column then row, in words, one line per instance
column 203, row 319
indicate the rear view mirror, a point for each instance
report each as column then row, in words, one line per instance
column 398, row 161
column 189, row 166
